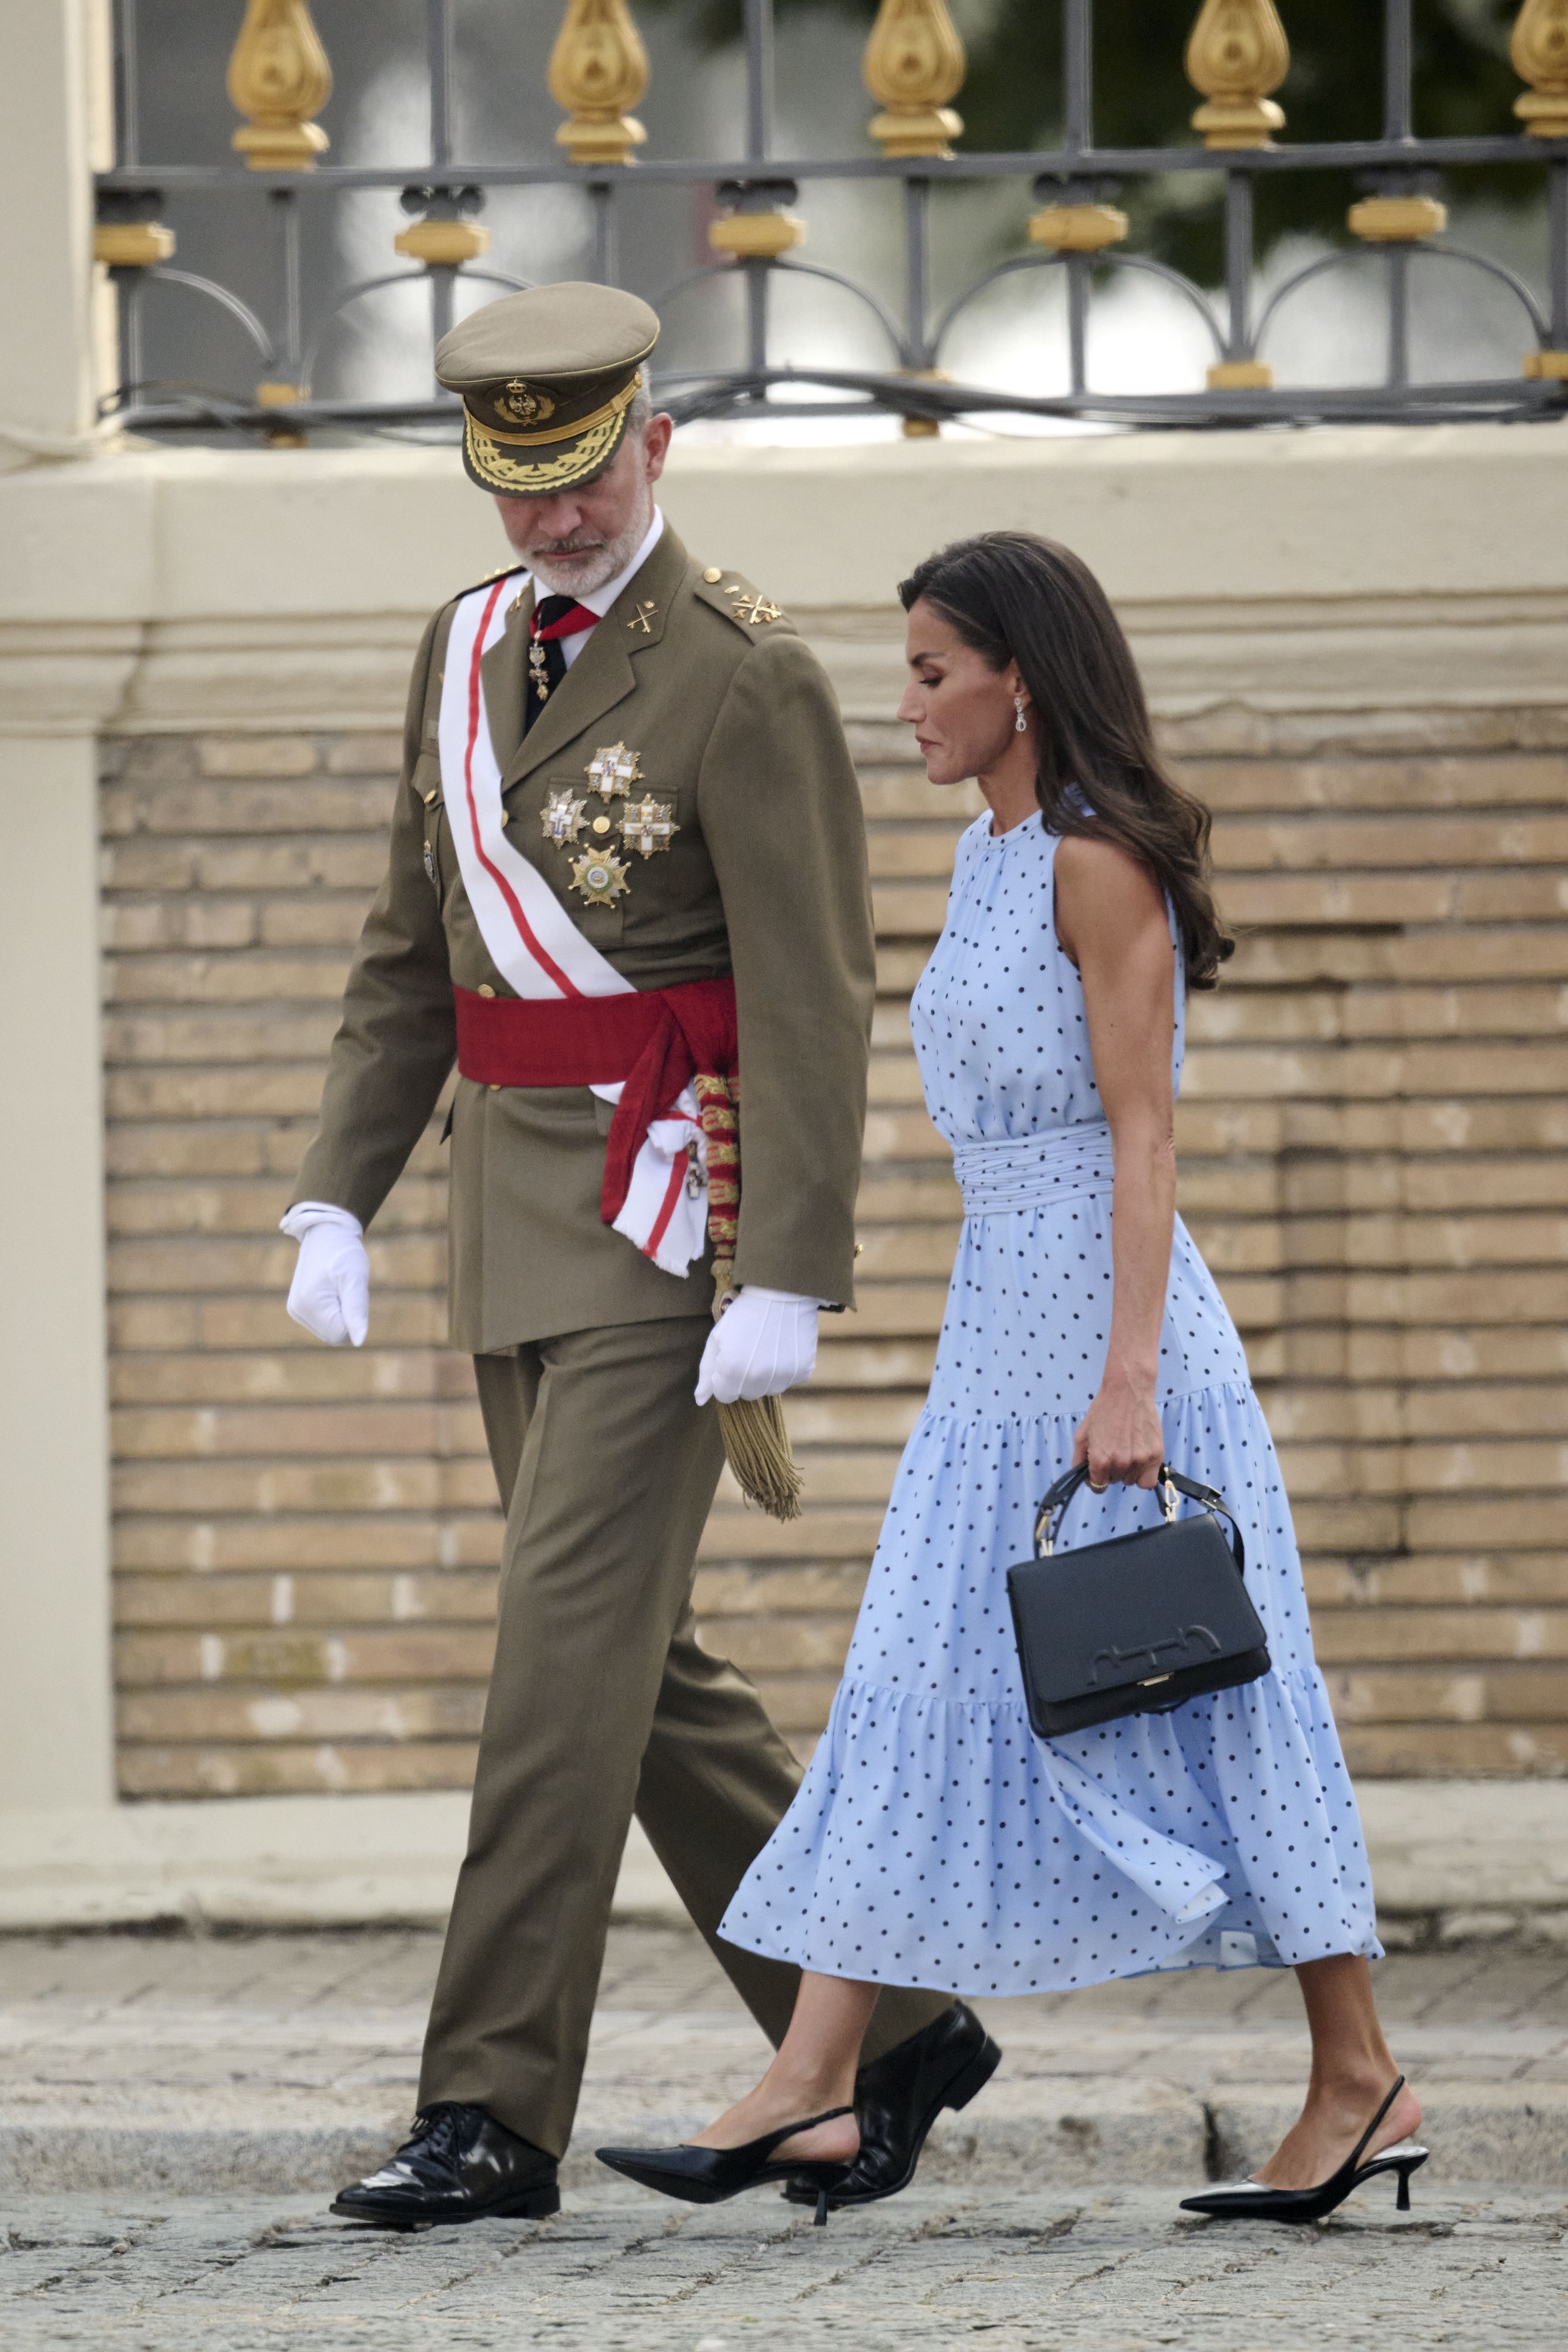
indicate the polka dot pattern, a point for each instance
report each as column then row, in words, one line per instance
column 935, row 1840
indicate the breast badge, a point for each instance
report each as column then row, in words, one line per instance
column 648, row 824
column 613, row 770
column 561, row 818
column 600, row 876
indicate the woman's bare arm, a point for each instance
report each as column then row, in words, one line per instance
column 1110, row 917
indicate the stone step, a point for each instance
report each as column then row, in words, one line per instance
column 1063, row 2132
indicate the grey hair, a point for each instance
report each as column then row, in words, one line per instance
column 640, row 413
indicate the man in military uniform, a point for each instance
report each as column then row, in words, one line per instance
column 627, row 851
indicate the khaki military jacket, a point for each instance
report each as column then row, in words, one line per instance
column 734, row 723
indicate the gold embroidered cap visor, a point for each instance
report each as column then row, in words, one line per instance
column 546, row 378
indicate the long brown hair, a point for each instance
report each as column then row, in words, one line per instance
column 1014, row 596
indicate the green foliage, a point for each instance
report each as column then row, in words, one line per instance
column 1464, row 85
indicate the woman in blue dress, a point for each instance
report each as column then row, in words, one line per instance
column 936, row 1841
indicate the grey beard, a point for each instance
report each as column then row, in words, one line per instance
column 615, row 555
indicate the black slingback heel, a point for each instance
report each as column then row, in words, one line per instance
column 1250, row 2200
column 706, row 2175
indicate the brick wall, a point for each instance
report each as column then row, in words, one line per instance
column 1375, row 1141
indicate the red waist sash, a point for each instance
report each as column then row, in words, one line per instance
column 656, row 1040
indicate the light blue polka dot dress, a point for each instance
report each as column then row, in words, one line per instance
column 935, row 1840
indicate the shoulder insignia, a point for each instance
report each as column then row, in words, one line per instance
column 732, row 593
column 501, row 572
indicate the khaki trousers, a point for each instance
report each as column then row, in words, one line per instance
column 601, row 1705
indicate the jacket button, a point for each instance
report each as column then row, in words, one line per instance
column 711, row 573
column 485, row 989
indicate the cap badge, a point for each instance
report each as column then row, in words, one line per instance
column 600, row 878
column 523, row 404
column 613, row 770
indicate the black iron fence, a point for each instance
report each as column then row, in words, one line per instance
column 1077, row 233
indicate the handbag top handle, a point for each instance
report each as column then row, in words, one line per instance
column 1171, row 1483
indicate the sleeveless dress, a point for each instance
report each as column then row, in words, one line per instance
column 935, row 1840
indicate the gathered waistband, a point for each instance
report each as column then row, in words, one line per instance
column 1027, row 1171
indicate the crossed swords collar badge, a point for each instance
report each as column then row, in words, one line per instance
column 752, row 606
column 646, row 826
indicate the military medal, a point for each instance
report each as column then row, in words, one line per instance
column 539, row 675
column 613, row 770
column 600, row 876
column 561, row 818
column 648, row 824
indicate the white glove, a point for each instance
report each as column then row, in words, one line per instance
column 763, row 1343
column 330, row 1292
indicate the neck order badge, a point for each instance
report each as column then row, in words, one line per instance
column 553, row 618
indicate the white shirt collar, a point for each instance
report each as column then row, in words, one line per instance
column 600, row 600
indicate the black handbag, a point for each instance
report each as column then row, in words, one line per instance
column 1137, row 1625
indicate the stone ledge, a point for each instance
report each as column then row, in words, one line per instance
column 1454, row 1862
column 1064, row 2133
column 1335, row 570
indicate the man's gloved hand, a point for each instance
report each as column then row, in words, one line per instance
column 763, row 1343
column 330, row 1293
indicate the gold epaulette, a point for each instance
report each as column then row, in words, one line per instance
column 732, row 593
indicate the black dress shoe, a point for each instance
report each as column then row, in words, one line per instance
column 460, row 2165
column 899, row 2096
column 706, row 2175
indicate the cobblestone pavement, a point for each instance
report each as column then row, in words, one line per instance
column 163, row 2101
column 237, row 2062
column 1113, row 2269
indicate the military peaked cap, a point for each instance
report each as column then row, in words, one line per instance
column 546, row 379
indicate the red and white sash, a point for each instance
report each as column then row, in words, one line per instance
column 533, row 941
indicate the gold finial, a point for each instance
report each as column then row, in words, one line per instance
column 1078, row 228
column 913, row 64
column 442, row 244
column 756, row 237
column 1539, row 48
column 1396, row 220
column 1236, row 54
column 597, row 68
column 279, row 77
column 132, row 245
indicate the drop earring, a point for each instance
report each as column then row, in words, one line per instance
column 1020, row 724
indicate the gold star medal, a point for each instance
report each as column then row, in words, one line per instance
column 600, row 876
column 648, row 824
column 612, row 769
column 561, row 818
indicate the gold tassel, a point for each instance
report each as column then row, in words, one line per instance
column 756, row 1442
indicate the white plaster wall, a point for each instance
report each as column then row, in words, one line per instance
column 1341, row 568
